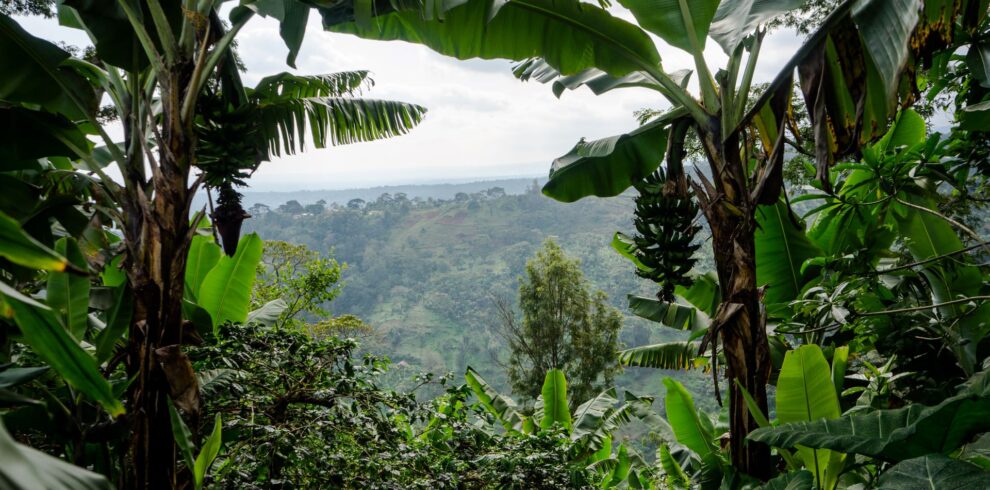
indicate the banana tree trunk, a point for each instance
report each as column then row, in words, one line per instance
column 740, row 323
column 157, row 236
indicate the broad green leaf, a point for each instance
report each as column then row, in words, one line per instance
column 40, row 77
column 805, row 393
column 927, row 236
column 208, row 453
column 977, row 451
column 118, row 322
column 672, row 315
column 975, row 117
column 607, row 167
column 626, row 247
column 287, row 85
column 269, row 313
column 116, row 42
column 204, row 254
column 683, row 24
column 554, row 393
column 893, row 435
column 736, row 19
column 25, row 468
column 502, row 407
column 519, row 30
column 781, row 248
column 226, row 290
column 11, row 377
column 600, row 82
column 596, row 419
column 589, row 415
column 804, row 388
column 978, row 60
column 791, row 480
column 21, row 249
column 933, row 471
column 594, row 79
column 26, row 135
column 68, row 293
column 183, row 437
column 200, row 318
column 666, row 355
column 332, row 121
column 676, row 477
column 762, row 421
column 113, row 275
column 908, row 130
column 603, row 452
column 840, row 359
column 621, row 470
column 886, row 27
column 704, row 293
column 686, row 421
column 292, row 16
column 41, row 329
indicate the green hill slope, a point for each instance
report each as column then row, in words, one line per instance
column 425, row 273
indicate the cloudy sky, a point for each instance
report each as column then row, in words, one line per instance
column 482, row 123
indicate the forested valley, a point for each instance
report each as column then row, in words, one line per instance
column 447, row 263
column 774, row 282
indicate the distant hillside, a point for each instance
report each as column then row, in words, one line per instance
column 341, row 196
column 425, row 272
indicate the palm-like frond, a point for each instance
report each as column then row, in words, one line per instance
column 288, row 86
column 332, row 121
column 670, row 355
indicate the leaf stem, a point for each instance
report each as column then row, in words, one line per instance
column 143, row 37
column 925, row 307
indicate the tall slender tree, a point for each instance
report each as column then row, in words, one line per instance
column 563, row 326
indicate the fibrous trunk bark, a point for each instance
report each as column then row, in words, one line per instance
column 741, row 326
column 157, row 235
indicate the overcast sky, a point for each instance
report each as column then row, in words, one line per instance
column 482, row 123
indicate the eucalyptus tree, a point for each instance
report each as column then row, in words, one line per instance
column 170, row 71
column 563, row 326
column 854, row 71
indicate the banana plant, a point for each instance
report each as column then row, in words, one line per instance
column 893, row 188
column 690, row 310
column 239, row 128
column 590, row 425
column 197, row 464
column 921, row 443
column 169, row 70
column 853, row 72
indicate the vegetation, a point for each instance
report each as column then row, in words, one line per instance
column 743, row 142
column 412, row 263
column 563, row 327
column 139, row 349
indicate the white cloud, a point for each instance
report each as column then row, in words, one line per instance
column 481, row 121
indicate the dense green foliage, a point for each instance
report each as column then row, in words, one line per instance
column 434, row 254
column 135, row 352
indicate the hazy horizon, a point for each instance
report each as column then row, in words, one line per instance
column 482, row 122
